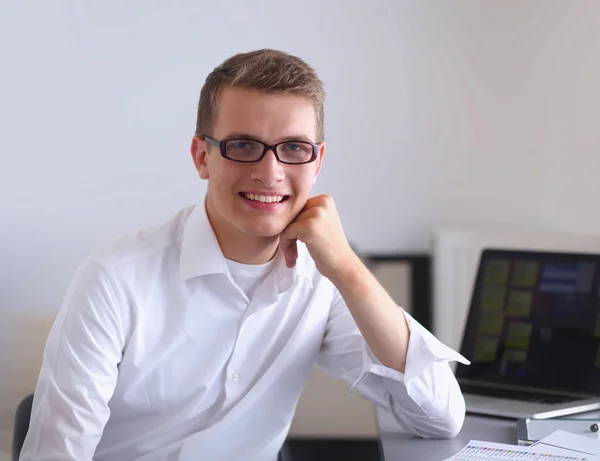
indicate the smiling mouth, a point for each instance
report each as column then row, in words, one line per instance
column 265, row 198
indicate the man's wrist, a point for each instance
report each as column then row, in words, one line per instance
column 351, row 272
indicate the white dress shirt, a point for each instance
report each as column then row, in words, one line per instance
column 156, row 354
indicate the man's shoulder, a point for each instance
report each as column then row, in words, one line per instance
column 145, row 244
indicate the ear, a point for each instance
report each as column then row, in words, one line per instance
column 199, row 151
column 319, row 160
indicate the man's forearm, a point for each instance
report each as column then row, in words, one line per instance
column 380, row 320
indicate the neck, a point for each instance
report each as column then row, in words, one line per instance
column 240, row 247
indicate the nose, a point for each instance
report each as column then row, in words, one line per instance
column 268, row 171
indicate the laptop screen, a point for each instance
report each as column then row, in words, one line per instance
column 534, row 321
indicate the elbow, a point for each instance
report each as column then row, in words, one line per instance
column 446, row 424
column 446, row 427
column 451, row 422
column 451, row 426
column 429, row 414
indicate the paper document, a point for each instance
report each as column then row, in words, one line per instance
column 576, row 443
column 488, row 451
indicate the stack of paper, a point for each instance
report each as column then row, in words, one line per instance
column 559, row 446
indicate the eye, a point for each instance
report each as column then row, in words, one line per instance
column 297, row 147
column 293, row 147
column 242, row 144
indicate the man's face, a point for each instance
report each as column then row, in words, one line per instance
column 232, row 186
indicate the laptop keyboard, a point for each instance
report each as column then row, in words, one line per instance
column 516, row 395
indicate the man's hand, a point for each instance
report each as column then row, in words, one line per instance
column 380, row 320
column 318, row 226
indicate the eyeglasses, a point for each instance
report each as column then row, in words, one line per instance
column 251, row 150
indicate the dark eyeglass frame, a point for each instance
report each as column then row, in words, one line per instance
column 222, row 145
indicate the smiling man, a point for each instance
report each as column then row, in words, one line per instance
column 194, row 339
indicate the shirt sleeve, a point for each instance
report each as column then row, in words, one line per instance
column 424, row 400
column 79, row 371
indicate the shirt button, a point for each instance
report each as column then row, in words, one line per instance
column 235, row 377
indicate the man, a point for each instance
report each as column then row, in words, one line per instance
column 193, row 340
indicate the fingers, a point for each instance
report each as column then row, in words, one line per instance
column 289, row 248
column 323, row 200
column 308, row 213
column 288, row 242
column 304, row 227
column 290, row 251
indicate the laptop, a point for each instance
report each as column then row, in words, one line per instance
column 533, row 335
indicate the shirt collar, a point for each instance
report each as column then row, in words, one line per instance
column 202, row 255
column 200, row 251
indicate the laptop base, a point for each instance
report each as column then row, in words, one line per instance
column 506, row 408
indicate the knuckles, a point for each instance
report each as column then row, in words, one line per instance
column 328, row 200
column 319, row 212
column 322, row 205
column 324, row 200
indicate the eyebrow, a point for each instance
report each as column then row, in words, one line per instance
column 241, row 135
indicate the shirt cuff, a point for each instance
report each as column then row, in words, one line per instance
column 424, row 350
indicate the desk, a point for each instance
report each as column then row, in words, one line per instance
column 400, row 447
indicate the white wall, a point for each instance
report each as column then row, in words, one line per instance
column 462, row 112
column 438, row 112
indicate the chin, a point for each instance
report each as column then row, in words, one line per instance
column 264, row 230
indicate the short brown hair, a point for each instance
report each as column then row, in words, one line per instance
column 266, row 70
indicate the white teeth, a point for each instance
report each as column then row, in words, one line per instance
column 265, row 198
